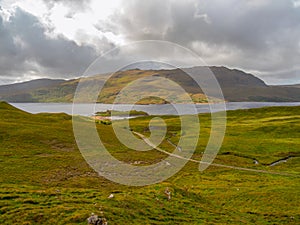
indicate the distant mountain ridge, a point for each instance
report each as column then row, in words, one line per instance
column 21, row 92
column 292, row 85
column 29, row 85
column 236, row 86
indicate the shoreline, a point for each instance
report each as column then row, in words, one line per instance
column 90, row 109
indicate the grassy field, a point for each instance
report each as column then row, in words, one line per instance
column 45, row 180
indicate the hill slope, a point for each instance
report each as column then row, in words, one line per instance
column 23, row 92
column 236, row 86
column 45, row 180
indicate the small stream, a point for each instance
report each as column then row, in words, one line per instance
column 284, row 160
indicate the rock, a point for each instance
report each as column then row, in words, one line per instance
column 111, row 196
column 92, row 219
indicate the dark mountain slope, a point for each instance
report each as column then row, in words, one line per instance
column 236, row 86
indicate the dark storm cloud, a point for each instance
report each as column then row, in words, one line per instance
column 253, row 35
column 26, row 49
column 248, row 34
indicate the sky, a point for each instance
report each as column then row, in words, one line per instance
column 61, row 38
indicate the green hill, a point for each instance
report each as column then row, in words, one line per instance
column 236, row 86
column 45, row 180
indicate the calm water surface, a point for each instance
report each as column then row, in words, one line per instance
column 85, row 109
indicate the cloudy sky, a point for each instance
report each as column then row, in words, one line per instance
column 60, row 38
